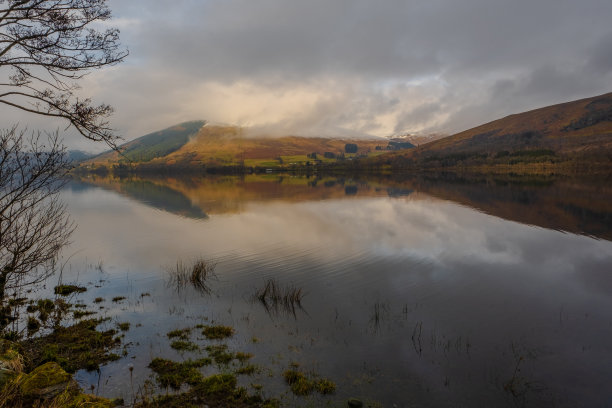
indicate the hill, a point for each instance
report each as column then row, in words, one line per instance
column 154, row 145
column 197, row 143
column 573, row 131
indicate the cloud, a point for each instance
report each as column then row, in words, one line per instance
column 340, row 66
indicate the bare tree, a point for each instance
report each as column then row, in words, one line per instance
column 46, row 46
column 33, row 223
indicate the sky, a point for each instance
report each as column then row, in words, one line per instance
column 348, row 67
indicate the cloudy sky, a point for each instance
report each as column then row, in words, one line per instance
column 338, row 67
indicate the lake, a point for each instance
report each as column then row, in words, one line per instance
column 426, row 291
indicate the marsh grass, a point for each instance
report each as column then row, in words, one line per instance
column 276, row 298
column 302, row 384
column 217, row 332
column 196, row 275
column 66, row 290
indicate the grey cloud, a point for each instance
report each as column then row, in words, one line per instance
column 333, row 66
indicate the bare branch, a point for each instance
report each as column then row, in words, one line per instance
column 45, row 44
column 34, row 225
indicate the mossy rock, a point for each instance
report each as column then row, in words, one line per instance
column 46, row 382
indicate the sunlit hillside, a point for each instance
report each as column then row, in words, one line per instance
column 230, row 145
column 580, row 128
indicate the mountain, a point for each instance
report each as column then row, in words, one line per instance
column 198, row 143
column 578, row 130
column 77, row 156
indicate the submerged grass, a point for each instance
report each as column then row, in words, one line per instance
column 276, row 298
column 196, row 275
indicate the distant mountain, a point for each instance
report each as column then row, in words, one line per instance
column 574, row 130
column 77, row 156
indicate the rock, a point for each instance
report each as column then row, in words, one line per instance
column 355, row 403
column 46, row 382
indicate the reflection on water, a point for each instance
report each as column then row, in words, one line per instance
column 407, row 295
column 577, row 206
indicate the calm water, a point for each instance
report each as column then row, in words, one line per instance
column 421, row 292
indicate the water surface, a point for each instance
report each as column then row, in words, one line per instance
column 427, row 291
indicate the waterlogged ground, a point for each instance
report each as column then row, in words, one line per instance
column 424, row 292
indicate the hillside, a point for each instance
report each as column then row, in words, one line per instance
column 154, row 145
column 196, row 144
column 578, row 130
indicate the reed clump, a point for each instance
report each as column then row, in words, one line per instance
column 275, row 297
column 196, row 274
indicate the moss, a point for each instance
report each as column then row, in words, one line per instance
column 43, row 378
column 65, row 290
column 49, row 385
column 183, row 345
column 217, row 332
column 74, row 347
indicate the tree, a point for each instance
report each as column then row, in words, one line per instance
column 33, row 223
column 351, row 148
column 46, row 46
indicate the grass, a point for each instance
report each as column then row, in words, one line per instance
column 217, row 390
column 182, row 334
column 196, row 274
column 125, row 326
column 98, row 300
column 118, row 299
column 174, row 375
column 275, row 298
column 220, row 354
column 301, row 384
column 65, row 290
column 79, row 346
column 79, row 314
column 182, row 345
column 217, row 332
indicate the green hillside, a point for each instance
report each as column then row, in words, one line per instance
column 161, row 143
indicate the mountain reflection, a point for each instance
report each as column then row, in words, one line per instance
column 576, row 206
